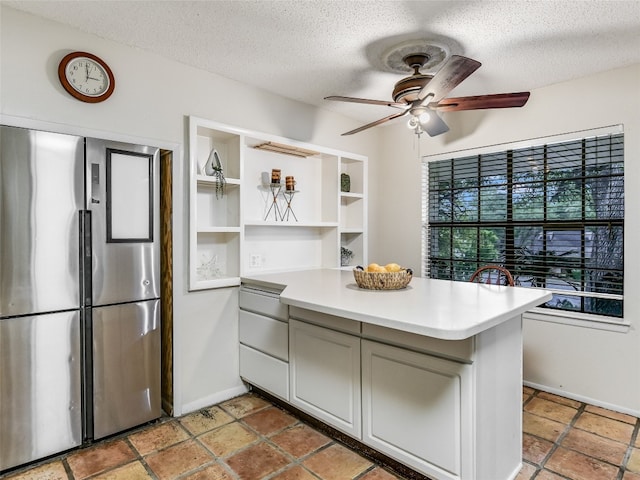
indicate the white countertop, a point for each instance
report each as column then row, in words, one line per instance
column 434, row 308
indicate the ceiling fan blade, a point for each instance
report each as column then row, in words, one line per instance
column 448, row 77
column 367, row 101
column 377, row 122
column 480, row 102
column 435, row 125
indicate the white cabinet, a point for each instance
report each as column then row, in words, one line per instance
column 450, row 409
column 417, row 408
column 264, row 341
column 256, row 226
column 325, row 375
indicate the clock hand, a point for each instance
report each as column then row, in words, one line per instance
column 86, row 69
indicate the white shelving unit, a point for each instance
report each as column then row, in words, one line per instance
column 215, row 221
column 241, row 232
column 353, row 209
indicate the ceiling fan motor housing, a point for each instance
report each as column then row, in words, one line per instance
column 406, row 90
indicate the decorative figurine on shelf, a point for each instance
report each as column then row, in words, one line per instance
column 275, row 186
column 290, row 183
column 288, row 193
column 345, row 256
column 213, row 168
column 345, row 183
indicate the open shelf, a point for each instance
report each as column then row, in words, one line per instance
column 316, row 198
column 215, row 210
column 355, row 242
column 272, row 248
column 209, row 180
column 236, row 233
column 291, row 223
column 351, row 195
column 355, row 168
column 216, row 260
column 352, row 213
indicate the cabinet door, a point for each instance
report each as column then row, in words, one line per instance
column 325, row 375
column 417, row 408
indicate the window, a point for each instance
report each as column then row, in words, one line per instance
column 553, row 214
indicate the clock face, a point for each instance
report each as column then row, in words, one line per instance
column 86, row 77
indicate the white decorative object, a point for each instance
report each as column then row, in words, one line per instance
column 208, row 268
column 213, row 168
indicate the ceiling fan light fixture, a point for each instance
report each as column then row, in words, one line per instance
column 424, row 117
column 413, row 123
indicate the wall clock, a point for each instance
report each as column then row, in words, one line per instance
column 86, row 77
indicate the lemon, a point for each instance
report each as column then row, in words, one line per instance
column 393, row 267
column 375, row 268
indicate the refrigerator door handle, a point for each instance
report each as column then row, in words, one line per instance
column 95, row 182
column 86, row 260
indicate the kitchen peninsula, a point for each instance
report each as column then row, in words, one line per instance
column 429, row 375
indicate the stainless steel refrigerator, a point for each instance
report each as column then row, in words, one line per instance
column 79, row 291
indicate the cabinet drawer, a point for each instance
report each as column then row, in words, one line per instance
column 265, row 372
column 265, row 334
column 460, row 350
column 325, row 320
column 265, row 303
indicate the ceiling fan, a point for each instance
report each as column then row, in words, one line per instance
column 423, row 96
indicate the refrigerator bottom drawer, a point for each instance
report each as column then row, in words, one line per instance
column 40, row 397
column 126, row 366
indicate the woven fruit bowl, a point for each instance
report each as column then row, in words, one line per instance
column 382, row 280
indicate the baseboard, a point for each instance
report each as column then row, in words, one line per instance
column 516, row 472
column 213, row 399
column 582, row 398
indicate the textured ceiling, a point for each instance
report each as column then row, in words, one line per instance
column 307, row 50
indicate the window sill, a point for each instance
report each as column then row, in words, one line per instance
column 596, row 322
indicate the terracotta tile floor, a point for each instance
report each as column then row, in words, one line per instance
column 566, row 439
column 248, row 438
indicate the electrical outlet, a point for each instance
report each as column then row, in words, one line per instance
column 255, row 260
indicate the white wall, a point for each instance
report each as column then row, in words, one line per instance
column 152, row 98
column 599, row 366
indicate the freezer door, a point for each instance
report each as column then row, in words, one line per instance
column 123, row 197
column 126, row 366
column 40, row 411
column 41, row 192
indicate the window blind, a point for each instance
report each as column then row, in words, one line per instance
column 553, row 214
